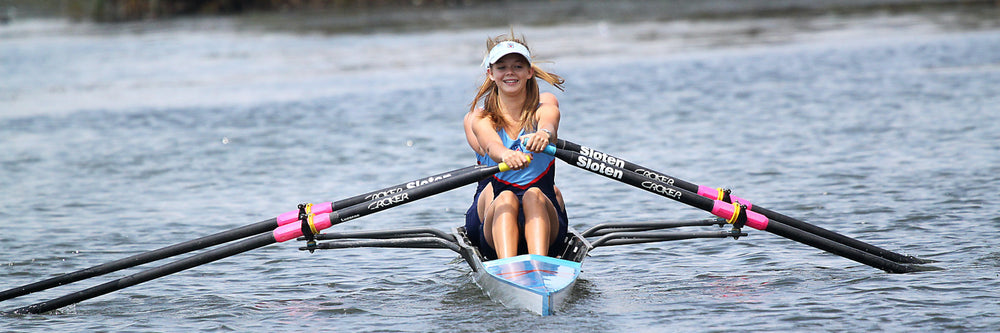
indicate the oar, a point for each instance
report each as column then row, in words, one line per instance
column 326, row 207
column 213, row 240
column 283, row 233
column 729, row 211
column 143, row 258
column 713, row 193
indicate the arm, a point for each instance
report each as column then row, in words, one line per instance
column 470, row 136
column 547, row 118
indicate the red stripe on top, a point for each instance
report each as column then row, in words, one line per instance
column 533, row 181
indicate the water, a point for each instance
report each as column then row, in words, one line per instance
column 117, row 140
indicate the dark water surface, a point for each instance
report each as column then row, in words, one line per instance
column 886, row 128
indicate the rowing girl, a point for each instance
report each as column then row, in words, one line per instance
column 510, row 120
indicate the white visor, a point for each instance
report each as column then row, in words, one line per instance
column 505, row 48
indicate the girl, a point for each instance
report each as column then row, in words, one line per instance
column 515, row 120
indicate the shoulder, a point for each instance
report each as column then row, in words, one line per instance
column 474, row 116
column 548, row 106
column 548, row 98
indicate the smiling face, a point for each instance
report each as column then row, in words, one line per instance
column 511, row 73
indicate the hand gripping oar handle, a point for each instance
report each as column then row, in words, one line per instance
column 714, row 193
column 612, row 168
column 281, row 234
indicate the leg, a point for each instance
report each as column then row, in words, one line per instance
column 562, row 205
column 501, row 222
column 541, row 224
column 559, row 197
column 485, row 199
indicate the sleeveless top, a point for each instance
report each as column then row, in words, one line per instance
column 541, row 165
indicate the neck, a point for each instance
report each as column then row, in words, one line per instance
column 512, row 105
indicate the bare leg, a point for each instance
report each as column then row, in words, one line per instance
column 501, row 222
column 485, row 200
column 541, row 223
column 562, row 205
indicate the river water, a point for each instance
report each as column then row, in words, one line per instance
column 120, row 139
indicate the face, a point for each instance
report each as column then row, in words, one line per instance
column 511, row 73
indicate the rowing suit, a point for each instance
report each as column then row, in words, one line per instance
column 539, row 173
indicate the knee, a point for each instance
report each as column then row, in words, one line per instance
column 534, row 196
column 505, row 201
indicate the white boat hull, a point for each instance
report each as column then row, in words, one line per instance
column 537, row 283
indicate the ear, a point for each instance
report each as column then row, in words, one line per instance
column 489, row 73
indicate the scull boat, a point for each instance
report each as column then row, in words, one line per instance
column 540, row 284
column 537, row 283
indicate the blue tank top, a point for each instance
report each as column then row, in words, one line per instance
column 481, row 159
column 541, row 164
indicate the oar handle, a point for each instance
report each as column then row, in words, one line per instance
column 502, row 167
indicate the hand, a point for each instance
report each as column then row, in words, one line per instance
column 536, row 142
column 515, row 160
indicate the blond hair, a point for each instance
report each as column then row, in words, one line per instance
column 488, row 91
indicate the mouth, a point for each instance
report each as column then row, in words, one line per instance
column 510, row 81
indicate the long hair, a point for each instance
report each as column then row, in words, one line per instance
column 488, row 91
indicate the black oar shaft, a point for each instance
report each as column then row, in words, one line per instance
column 772, row 215
column 143, row 258
column 842, row 250
column 834, row 236
column 326, row 220
column 207, row 241
column 396, row 189
column 611, row 169
column 467, row 176
column 134, row 279
column 461, row 178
